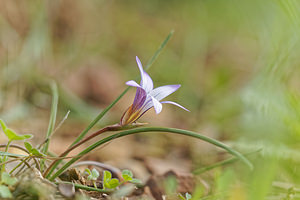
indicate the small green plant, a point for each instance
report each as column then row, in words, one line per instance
column 128, row 177
column 108, row 181
column 187, row 196
column 33, row 151
column 112, row 183
column 92, row 175
column 12, row 136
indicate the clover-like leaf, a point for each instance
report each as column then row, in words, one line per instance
column 106, row 176
column 37, row 153
column 7, row 179
column 32, row 150
column 127, row 175
column 28, row 146
column 113, row 183
column 95, row 174
column 12, row 135
column 5, row 192
column 108, row 181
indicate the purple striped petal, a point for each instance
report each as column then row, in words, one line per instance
column 139, row 99
column 132, row 83
column 161, row 92
column 157, row 105
column 146, row 81
column 176, row 104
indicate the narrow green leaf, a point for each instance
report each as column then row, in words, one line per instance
column 153, row 129
column 52, row 115
column 5, row 192
column 221, row 163
column 2, row 153
column 158, row 51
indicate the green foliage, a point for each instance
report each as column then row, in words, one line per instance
column 92, row 175
column 7, row 179
column 128, row 177
column 2, row 153
column 11, row 135
column 5, row 192
column 170, row 184
column 108, row 181
column 187, row 196
column 112, row 183
column 52, row 115
column 33, row 151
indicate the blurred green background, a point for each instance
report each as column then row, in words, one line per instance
column 237, row 61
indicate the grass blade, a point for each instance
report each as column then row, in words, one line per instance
column 52, row 115
column 154, row 129
column 221, row 163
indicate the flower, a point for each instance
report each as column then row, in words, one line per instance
column 146, row 97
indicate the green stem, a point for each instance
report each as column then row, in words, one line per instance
column 18, row 165
column 5, row 157
column 95, row 185
column 152, row 129
column 87, row 188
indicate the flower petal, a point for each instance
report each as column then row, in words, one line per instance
column 147, row 84
column 157, row 105
column 132, row 83
column 146, row 81
column 163, row 91
column 139, row 99
column 176, row 104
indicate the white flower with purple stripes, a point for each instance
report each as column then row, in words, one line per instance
column 146, row 97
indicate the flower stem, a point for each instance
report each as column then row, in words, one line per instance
column 152, row 129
